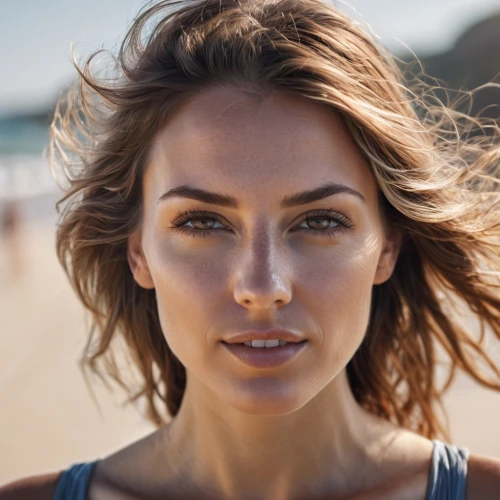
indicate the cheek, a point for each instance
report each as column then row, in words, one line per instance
column 189, row 286
column 339, row 298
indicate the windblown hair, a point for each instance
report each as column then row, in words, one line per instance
column 439, row 185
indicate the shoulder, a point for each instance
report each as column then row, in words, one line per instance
column 483, row 477
column 37, row 487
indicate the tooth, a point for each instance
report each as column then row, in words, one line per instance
column 283, row 342
column 272, row 343
column 258, row 343
column 249, row 343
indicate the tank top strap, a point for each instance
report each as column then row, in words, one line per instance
column 74, row 481
column 448, row 472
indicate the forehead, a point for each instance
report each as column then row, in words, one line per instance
column 278, row 143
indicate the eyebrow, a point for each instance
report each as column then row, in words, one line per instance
column 302, row 198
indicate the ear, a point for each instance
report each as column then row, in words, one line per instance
column 388, row 257
column 137, row 261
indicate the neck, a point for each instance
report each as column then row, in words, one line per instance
column 295, row 455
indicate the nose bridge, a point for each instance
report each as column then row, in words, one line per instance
column 261, row 276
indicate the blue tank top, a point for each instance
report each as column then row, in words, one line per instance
column 448, row 472
column 447, row 475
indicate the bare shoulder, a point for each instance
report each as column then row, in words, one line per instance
column 36, row 487
column 483, row 477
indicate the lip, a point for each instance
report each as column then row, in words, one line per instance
column 265, row 357
column 272, row 334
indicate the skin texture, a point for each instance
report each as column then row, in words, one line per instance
column 296, row 430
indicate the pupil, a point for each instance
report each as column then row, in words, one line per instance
column 321, row 224
column 204, row 222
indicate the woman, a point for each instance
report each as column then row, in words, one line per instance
column 279, row 230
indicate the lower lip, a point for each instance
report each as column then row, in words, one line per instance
column 265, row 357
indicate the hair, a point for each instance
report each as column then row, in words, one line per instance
column 438, row 186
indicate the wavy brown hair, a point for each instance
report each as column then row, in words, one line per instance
column 438, row 185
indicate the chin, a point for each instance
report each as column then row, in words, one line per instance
column 266, row 396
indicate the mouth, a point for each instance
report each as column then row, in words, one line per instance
column 267, row 356
column 264, row 344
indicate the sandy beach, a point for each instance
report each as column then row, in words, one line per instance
column 48, row 420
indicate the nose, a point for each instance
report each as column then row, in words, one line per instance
column 262, row 278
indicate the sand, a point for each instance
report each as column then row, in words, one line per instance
column 48, row 420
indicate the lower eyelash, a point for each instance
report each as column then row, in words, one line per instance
column 190, row 215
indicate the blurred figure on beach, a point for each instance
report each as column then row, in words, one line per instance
column 10, row 231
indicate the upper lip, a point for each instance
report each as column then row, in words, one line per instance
column 276, row 333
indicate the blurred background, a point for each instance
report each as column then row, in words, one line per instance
column 47, row 417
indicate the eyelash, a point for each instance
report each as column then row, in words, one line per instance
column 190, row 215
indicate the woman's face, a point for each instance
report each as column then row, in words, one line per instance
column 257, row 264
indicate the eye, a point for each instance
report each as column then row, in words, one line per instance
column 202, row 219
column 325, row 223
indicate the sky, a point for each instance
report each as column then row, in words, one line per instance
column 36, row 35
